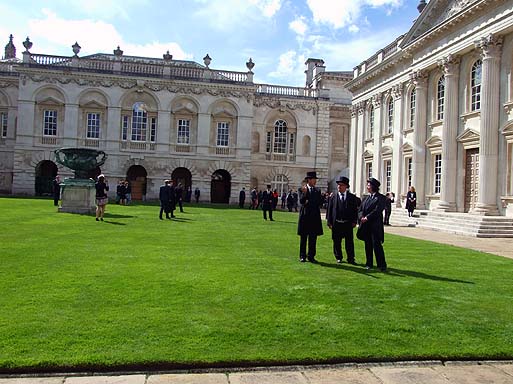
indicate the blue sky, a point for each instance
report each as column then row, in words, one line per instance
column 279, row 35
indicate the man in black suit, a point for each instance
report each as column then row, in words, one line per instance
column 179, row 196
column 342, row 216
column 371, row 228
column 242, row 197
column 165, row 199
column 309, row 224
column 267, row 203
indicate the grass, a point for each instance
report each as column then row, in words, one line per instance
column 223, row 287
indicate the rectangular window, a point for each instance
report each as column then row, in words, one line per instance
column 3, row 124
column 280, row 139
column 413, row 102
column 438, row 173
column 153, row 130
column 370, row 132
column 124, row 129
column 50, row 123
column 390, row 122
column 388, row 175
column 223, row 132
column 139, row 125
column 292, row 144
column 183, row 134
column 268, row 142
column 368, row 170
column 409, row 170
column 93, row 126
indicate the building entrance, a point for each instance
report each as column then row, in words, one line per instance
column 471, row 178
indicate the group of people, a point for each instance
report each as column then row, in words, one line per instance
column 344, row 212
column 288, row 200
column 170, row 195
column 123, row 193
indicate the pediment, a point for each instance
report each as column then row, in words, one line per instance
column 223, row 114
column 368, row 154
column 433, row 142
column 184, row 110
column 508, row 129
column 93, row 104
column 407, row 148
column 50, row 101
column 386, row 151
column 435, row 14
column 468, row 135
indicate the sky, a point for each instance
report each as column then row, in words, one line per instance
column 279, row 35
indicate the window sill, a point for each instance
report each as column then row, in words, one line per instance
column 470, row 115
column 406, row 131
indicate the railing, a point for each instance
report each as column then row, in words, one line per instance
column 148, row 69
column 99, row 65
column 182, row 148
column 222, row 150
column 231, row 76
column 287, row 91
column 389, row 50
column 50, row 60
column 6, row 67
column 138, row 145
column 372, row 61
column 280, row 157
column 92, row 143
column 49, row 140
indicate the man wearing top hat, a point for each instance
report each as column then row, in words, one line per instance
column 267, row 202
column 310, row 224
column 165, row 199
column 342, row 216
column 371, row 228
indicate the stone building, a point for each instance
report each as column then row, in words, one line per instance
column 434, row 109
column 165, row 118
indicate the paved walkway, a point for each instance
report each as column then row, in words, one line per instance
column 431, row 372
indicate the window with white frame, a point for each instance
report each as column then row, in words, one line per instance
column 3, row 124
column 139, row 122
column 292, row 143
column 409, row 170
column 368, row 170
column 370, row 132
column 280, row 183
column 223, row 132
column 50, row 123
column 93, row 125
column 476, row 77
column 268, row 142
column 413, row 97
column 183, row 131
column 390, row 119
column 440, row 98
column 280, row 137
column 438, row 173
column 388, row 175
column 124, row 128
column 153, row 129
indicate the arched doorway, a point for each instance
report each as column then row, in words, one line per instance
column 136, row 176
column 220, row 187
column 46, row 171
column 184, row 177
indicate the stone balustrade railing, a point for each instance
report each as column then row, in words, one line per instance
column 287, row 91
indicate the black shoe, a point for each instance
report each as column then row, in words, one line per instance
column 272, row 219
column 303, row 260
column 312, row 260
column 168, row 217
column 383, row 269
column 101, row 218
column 367, row 267
column 352, row 262
column 173, row 216
column 97, row 219
column 339, row 261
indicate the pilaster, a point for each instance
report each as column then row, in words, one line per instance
column 397, row 161
column 352, row 144
column 114, row 128
column 70, row 134
column 377, row 100
column 359, row 171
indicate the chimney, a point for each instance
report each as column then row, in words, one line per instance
column 311, row 64
column 421, row 6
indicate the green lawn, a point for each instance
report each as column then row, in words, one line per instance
column 222, row 286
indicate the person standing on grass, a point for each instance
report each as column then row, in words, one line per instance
column 371, row 229
column 179, row 196
column 242, row 197
column 267, row 202
column 197, row 194
column 165, row 199
column 56, row 190
column 254, row 199
column 309, row 224
column 101, row 187
column 342, row 216
column 388, row 207
column 411, row 201
column 128, row 190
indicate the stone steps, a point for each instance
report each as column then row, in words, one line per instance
column 458, row 223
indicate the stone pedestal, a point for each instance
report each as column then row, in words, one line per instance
column 78, row 196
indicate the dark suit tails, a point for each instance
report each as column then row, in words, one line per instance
column 342, row 215
column 372, row 231
column 309, row 224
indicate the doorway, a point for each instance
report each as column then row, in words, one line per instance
column 220, row 187
column 136, row 176
column 471, row 178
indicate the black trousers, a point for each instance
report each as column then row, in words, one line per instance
column 270, row 213
column 312, row 246
column 373, row 244
column 164, row 207
column 387, row 217
column 339, row 232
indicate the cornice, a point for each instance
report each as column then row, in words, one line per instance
column 5, row 83
column 276, row 103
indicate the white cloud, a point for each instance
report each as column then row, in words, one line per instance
column 94, row 36
column 267, row 7
column 341, row 13
column 290, row 67
column 353, row 28
column 299, row 25
column 104, row 8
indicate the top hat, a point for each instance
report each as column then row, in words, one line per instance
column 268, row 185
column 343, row 180
column 375, row 183
column 311, row 175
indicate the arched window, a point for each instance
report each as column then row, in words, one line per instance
column 390, row 119
column 413, row 95
column 280, row 183
column 440, row 98
column 280, row 137
column 139, row 122
column 370, row 133
column 476, row 77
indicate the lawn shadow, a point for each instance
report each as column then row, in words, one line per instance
column 348, row 267
column 113, row 222
column 116, row 216
column 421, row 275
column 181, row 219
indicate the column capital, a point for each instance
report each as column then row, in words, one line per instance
column 419, row 78
column 397, row 91
column 449, row 64
column 354, row 110
column 377, row 99
column 490, row 46
column 361, row 107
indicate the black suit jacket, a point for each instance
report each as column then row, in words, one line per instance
column 267, row 200
column 310, row 213
column 350, row 212
column 372, row 208
column 165, row 194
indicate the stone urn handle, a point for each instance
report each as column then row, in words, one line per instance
column 58, row 154
column 103, row 158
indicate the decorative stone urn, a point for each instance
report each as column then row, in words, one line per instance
column 78, row 193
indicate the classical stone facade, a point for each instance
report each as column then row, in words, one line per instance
column 434, row 109
column 163, row 118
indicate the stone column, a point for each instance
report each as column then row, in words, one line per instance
column 376, row 160
column 450, row 66
column 419, row 78
column 359, row 173
column 491, row 47
column 352, row 145
column 397, row 157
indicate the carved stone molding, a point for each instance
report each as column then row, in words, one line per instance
column 274, row 103
column 490, row 46
column 377, row 100
column 397, row 91
column 449, row 64
column 419, row 78
column 361, row 107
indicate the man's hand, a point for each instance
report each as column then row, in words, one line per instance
column 364, row 219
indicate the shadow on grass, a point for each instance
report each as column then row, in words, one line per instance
column 113, row 222
column 116, row 216
column 181, row 219
column 421, row 275
column 347, row 267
